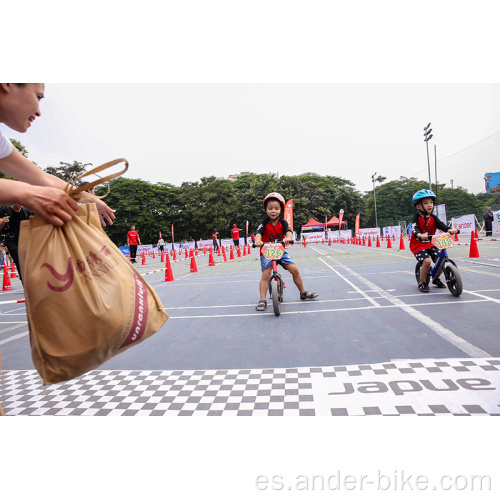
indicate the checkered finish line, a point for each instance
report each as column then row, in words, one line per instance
column 409, row 387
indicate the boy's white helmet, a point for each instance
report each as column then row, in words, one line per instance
column 275, row 196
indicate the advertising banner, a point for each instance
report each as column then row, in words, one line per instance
column 289, row 213
column 316, row 237
column 140, row 248
column 205, row 244
column 392, row 231
column 344, row 234
column 465, row 224
column 369, row 232
column 496, row 222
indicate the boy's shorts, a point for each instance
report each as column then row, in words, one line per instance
column 432, row 253
column 265, row 263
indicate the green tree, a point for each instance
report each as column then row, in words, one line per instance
column 66, row 171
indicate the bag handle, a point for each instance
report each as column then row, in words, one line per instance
column 81, row 189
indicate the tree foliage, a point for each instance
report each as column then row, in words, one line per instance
column 196, row 209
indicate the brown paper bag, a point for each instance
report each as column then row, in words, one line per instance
column 85, row 302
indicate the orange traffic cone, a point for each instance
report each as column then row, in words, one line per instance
column 143, row 259
column 211, row 261
column 474, row 251
column 249, row 250
column 13, row 270
column 224, row 254
column 456, row 236
column 370, row 241
column 6, row 280
column 186, row 254
column 244, row 250
column 193, row 269
column 231, row 255
column 218, row 253
column 305, row 243
column 329, row 242
column 169, row 276
column 389, row 244
column 401, row 242
column 162, row 256
column 239, row 251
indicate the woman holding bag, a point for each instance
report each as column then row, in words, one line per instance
column 40, row 192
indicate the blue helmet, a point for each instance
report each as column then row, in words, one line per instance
column 420, row 195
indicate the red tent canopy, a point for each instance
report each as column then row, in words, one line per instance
column 334, row 221
column 313, row 223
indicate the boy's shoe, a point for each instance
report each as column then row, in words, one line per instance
column 438, row 283
column 423, row 287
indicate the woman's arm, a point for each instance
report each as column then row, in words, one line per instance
column 38, row 200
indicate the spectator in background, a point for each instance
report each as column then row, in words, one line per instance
column 161, row 244
column 488, row 221
column 2, row 254
column 214, row 238
column 10, row 224
column 91, row 190
column 132, row 239
column 235, row 233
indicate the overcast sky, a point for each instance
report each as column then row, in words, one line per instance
column 182, row 132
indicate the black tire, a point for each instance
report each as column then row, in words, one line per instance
column 276, row 297
column 453, row 279
column 417, row 273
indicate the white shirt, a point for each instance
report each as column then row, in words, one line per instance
column 5, row 146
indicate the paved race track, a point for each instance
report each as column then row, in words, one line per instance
column 371, row 344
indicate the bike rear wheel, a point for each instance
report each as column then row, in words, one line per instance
column 453, row 279
column 275, row 295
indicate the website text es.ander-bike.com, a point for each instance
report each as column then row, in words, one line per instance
column 396, row 480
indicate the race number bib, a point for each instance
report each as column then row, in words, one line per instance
column 444, row 240
column 274, row 252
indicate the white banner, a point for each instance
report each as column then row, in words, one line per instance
column 392, row 231
column 369, row 232
column 205, row 244
column 465, row 224
column 229, row 243
column 496, row 222
column 344, row 234
column 440, row 211
column 317, row 237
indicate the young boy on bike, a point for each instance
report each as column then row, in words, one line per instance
column 275, row 227
column 424, row 226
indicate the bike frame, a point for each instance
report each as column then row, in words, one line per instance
column 443, row 255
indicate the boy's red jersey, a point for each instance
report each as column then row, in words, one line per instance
column 269, row 232
column 424, row 225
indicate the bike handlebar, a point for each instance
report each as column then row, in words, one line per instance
column 427, row 233
column 276, row 241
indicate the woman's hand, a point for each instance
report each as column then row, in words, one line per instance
column 53, row 204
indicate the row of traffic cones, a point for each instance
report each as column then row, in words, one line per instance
column 193, row 267
column 7, row 285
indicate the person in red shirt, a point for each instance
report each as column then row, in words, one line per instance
column 273, row 227
column 235, row 233
column 132, row 239
column 214, row 238
column 424, row 226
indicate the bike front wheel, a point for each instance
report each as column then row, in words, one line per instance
column 275, row 295
column 453, row 279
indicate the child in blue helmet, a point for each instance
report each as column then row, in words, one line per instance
column 274, row 226
column 424, row 226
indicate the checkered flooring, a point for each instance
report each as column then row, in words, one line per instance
column 457, row 387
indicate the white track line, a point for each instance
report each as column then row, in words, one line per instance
column 443, row 332
column 14, row 337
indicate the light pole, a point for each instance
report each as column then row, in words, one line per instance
column 375, row 198
column 427, row 138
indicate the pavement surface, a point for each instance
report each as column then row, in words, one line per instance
column 370, row 344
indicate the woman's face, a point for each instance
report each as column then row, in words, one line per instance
column 20, row 104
